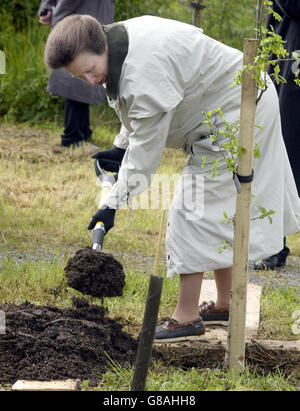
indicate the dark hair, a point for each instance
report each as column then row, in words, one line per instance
column 71, row 36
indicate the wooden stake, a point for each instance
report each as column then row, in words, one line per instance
column 236, row 333
column 259, row 18
column 159, row 242
column 197, row 17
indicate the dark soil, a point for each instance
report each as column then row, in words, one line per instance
column 257, row 357
column 47, row 343
column 95, row 273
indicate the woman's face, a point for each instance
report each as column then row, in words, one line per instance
column 90, row 67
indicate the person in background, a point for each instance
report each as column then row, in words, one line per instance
column 77, row 94
column 289, row 101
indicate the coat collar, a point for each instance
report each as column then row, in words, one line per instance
column 117, row 40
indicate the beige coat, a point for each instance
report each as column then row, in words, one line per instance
column 171, row 75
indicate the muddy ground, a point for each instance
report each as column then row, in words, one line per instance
column 258, row 358
column 47, row 343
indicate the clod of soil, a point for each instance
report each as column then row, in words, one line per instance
column 47, row 343
column 95, row 273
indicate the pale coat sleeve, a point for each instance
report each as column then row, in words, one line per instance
column 150, row 90
column 146, row 145
column 122, row 139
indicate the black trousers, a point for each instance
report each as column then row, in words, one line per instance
column 76, row 122
column 289, row 101
column 285, row 251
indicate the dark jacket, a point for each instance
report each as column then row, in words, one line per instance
column 289, row 92
column 60, row 82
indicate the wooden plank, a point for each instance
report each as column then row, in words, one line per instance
column 253, row 310
column 278, row 344
column 212, row 344
column 66, row 385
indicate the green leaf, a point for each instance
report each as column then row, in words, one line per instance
column 256, row 151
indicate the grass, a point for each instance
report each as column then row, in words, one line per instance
column 34, row 281
column 23, row 86
column 172, row 379
column 283, row 301
column 293, row 242
column 47, row 183
column 47, row 196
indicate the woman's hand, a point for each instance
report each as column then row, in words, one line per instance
column 106, row 215
column 111, row 159
column 45, row 17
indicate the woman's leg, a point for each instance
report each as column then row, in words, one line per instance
column 187, row 308
column 223, row 278
column 76, row 122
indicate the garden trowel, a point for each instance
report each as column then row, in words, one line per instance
column 107, row 181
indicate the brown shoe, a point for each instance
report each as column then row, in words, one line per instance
column 212, row 316
column 171, row 330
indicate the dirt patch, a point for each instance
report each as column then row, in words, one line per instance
column 48, row 343
column 257, row 357
column 95, row 273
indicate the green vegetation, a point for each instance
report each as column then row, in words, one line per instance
column 283, row 302
column 173, row 379
column 22, row 89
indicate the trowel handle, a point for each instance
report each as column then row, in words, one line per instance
column 98, row 236
column 99, row 230
column 104, row 193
